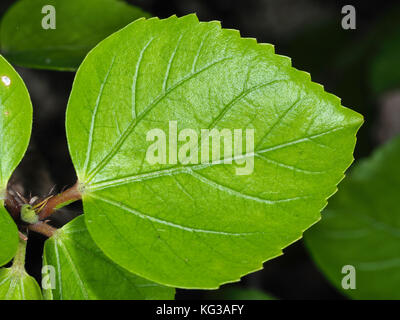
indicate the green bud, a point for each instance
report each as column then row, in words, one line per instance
column 28, row 215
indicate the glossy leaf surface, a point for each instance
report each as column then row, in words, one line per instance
column 83, row 272
column 201, row 224
column 15, row 130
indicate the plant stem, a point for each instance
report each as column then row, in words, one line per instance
column 13, row 204
column 22, row 236
column 43, row 228
column 70, row 195
column 18, row 265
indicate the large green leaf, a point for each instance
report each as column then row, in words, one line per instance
column 15, row 283
column 80, row 25
column 15, row 129
column 84, row 272
column 361, row 227
column 201, row 225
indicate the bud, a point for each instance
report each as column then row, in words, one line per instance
column 28, row 214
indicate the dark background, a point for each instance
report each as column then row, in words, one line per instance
column 308, row 31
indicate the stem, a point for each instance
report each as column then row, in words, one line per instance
column 12, row 204
column 22, row 236
column 42, row 228
column 19, row 260
column 70, row 195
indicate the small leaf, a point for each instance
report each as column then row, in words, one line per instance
column 15, row 286
column 8, row 236
column 15, row 283
column 200, row 225
column 84, row 272
column 79, row 26
column 15, row 129
column 361, row 228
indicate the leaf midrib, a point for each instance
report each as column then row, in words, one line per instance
column 184, row 169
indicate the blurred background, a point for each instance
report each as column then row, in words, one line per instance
column 361, row 66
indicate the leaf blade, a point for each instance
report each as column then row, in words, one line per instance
column 355, row 225
column 203, row 76
column 79, row 27
column 15, row 129
column 83, row 272
column 14, row 286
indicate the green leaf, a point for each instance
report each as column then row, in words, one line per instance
column 14, row 286
column 80, row 25
column 201, row 225
column 84, row 272
column 15, row 283
column 8, row 236
column 15, row 129
column 361, row 227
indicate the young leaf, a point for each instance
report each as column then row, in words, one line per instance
column 360, row 228
column 15, row 283
column 28, row 37
column 84, row 272
column 201, row 224
column 15, row 129
column 14, row 286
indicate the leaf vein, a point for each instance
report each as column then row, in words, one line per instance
column 185, row 169
column 93, row 120
column 168, row 223
column 75, row 271
column 133, row 124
